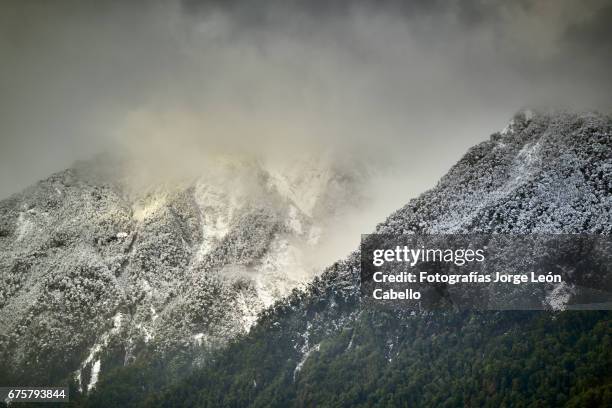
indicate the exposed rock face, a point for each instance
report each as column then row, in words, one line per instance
column 86, row 262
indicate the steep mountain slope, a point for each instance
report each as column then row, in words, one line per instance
column 90, row 264
column 320, row 347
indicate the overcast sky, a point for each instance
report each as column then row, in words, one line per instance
column 411, row 84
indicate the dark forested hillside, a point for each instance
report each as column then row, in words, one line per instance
column 488, row 359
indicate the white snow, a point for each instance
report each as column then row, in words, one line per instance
column 97, row 347
column 264, row 294
column 198, row 338
column 299, row 366
column 350, row 345
column 154, row 315
column 148, row 335
column 146, row 208
column 557, row 299
column 525, row 162
column 528, row 154
column 117, row 320
column 248, row 313
column 90, row 357
column 217, row 207
column 24, row 226
column 528, row 114
column 508, row 127
column 95, row 371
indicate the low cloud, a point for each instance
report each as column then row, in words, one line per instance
column 403, row 86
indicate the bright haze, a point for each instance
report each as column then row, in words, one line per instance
column 403, row 86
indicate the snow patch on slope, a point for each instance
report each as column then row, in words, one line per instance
column 95, row 371
column 558, row 298
column 93, row 352
column 299, row 366
column 147, row 208
column 217, row 207
column 24, row 226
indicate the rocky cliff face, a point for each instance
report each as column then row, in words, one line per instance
column 89, row 263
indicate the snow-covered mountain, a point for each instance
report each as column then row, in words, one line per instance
column 322, row 346
column 88, row 262
column 93, row 271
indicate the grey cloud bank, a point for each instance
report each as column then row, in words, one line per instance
column 407, row 86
